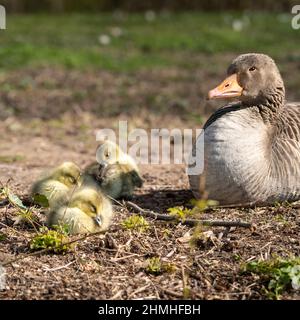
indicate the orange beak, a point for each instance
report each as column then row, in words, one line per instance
column 229, row 88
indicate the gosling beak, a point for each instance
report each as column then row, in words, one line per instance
column 101, row 171
column 229, row 88
column 98, row 220
column 80, row 181
column 103, row 165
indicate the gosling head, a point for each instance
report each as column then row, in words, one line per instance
column 109, row 152
column 90, row 202
column 67, row 173
column 252, row 77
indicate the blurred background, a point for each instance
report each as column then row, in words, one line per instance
column 137, row 5
column 51, row 49
column 70, row 67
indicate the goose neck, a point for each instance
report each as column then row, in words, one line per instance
column 270, row 107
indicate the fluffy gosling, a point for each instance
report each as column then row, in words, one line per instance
column 109, row 153
column 116, row 172
column 116, row 180
column 88, row 211
column 56, row 184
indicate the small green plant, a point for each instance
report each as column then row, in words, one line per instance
column 23, row 213
column 282, row 219
column 203, row 204
column 11, row 159
column 136, row 222
column 2, row 236
column 282, row 204
column 186, row 293
column 236, row 257
column 155, row 266
column 278, row 274
column 169, row 267
column 167, row 233
column 53, row 240
column 27, row 216
column 180, row 213
column 62, row 228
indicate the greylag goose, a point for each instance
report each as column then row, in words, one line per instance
column 251, row 147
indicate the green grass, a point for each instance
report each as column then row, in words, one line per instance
column 11, row 159
column 72, row 40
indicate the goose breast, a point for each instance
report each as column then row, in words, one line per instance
column 229, row 160
column 247, row 161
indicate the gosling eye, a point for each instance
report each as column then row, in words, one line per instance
column 93, row 209
column 107, row 155
column 252, row 69
column 72, row 180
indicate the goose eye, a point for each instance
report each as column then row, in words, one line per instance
column 252, row 69
column 72, row 180
column 93, row 209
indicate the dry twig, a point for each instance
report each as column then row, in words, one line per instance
column 189, row 222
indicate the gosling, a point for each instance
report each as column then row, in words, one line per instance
column 116, row 172
column 109, row 153
column 115, row 180
column 57, row 184
column 88, row 211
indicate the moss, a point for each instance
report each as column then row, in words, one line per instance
column 156, row 267
column 180, row 212
column 203, row 204
column 53, row 240
column 135, row 222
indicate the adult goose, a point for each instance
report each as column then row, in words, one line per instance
column 251, row 147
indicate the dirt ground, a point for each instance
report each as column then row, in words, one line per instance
column 50, row 116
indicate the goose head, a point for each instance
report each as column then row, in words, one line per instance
column 252, row 77
column 108, row 153
column 90, row 202
column 67, row 173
